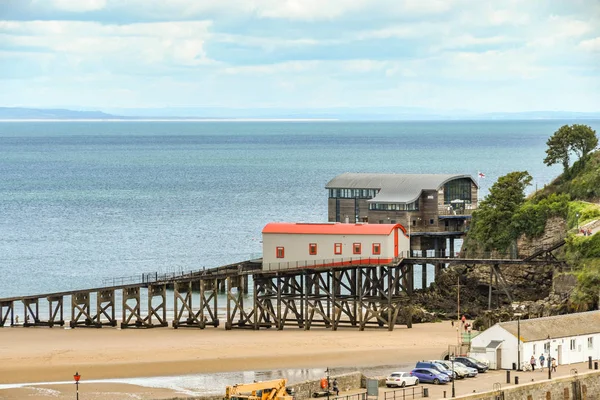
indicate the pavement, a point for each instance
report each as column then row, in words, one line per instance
column 481, row 383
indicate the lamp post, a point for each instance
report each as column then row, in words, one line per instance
column 549, row 359
column 518, row 315
column 453, row 376
column 577, row 215
column 327, row 372
column 77, row 377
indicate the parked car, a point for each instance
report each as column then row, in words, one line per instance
column 438, row 367
column 473, row 363
column 461, row 370
column 401, row 379
column 472, row 372
column 430, row 375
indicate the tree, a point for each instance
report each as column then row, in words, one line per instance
column 491, row 226
column 558, row 148
column 583, row 140
column 578, row 139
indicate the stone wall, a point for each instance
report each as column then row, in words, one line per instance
column 563, row 284
column 304, row 390
column 585, row 386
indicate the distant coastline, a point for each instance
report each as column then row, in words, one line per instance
column 171, row 120
column 210, row 114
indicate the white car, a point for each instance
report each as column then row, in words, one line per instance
column 401, row 379
column 460, row 368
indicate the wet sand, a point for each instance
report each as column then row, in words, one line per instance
column 51, row 355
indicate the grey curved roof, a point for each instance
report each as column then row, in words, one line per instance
column 393, row 188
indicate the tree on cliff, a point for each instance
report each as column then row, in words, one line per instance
column 491, row 225
column 578, row 139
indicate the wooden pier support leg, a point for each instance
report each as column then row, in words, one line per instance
column 105, row 307
column 279, row 322
column 131, row 308
column 452, row 255
column 55, row 310
column 424, row 277
column 157, row 312
column 32, row 312
column 80, row 310
column 490, row 287
column 7, row 308
column 439, row 267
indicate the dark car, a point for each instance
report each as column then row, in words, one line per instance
column 430, row 375
column 473, row 363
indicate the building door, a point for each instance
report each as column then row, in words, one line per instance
column 559, row 357
column 498, row 358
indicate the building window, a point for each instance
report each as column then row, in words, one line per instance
column 590, row 343
column 534, row 351
column 572, row 347
column 431, row 221
column 381, row 221
column 546, row 347
column 312, row 249
column 337, row 248
column 280, row 252
column 394, row 206
column 393, row 221
column 458, row 189
column 356, row 248
column 376, row 249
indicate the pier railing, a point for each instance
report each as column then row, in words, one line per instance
column 150, row 277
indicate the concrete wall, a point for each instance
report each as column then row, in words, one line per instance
column 585, row 386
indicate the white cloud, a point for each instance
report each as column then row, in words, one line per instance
column 79, row 5
column 592, row 45
column 173, row 43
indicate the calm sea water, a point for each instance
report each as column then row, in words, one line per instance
column 83, row 201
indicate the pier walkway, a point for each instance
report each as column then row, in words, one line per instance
column 355, row 295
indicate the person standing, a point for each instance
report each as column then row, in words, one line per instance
column 532, row 362
column 542, row 360
column 553, row 364
column 336, row 389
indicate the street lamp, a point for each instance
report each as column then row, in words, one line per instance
column 77, row 377
column 453, row 375
column 577, row 215
column 327, row 372
column 518, row 315
column 549, row 359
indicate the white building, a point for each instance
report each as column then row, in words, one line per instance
column 298, row 245
column 570, row 338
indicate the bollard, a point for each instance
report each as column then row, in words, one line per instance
column 425, row 392
column 595, row 364
column 516, row 380
column 444, row 394
column 590, row 362
column 507, row 376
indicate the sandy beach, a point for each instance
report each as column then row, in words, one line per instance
column 53, row 355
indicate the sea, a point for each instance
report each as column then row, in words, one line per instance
column 86, row 202
column 83, row 202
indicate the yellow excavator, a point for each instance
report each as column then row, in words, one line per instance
column 267, row 390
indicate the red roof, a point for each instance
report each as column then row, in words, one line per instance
column 330, row 228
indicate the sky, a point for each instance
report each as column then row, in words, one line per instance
column 475, row 55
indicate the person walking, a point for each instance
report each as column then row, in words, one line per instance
column 532, row 362
column 542, row 360
column 553, row 364
column 336, row 389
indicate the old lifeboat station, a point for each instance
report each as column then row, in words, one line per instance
column 376, row 219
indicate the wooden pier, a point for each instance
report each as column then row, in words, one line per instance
column 357, row 296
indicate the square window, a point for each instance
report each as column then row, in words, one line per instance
column 312, row 249
column 356, row 248
column 337, row 248
column 393, row 221
column 381, row 221
column 280, row 252
column 376, row 248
